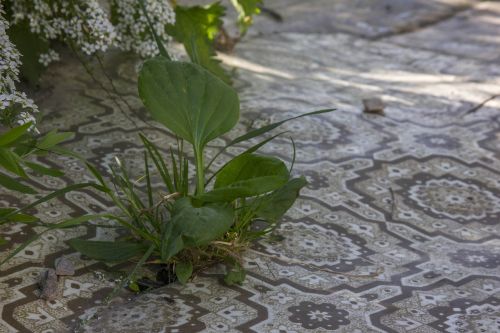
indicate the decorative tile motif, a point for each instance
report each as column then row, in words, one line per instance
column 437, row 195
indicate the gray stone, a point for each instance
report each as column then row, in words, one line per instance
column 474, row 33
column 373, row 105
column 366, row 18
column 64, row 267
column 48, row 284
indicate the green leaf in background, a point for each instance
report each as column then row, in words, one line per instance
column 116, row 251
column 199, row 226
column 22, row 218
column 196, row 27
column 246, row 9
column 11, row 162
column 188, row 100
column 31, row 46
column 183, row 271
column 53, row 138
column 13, row 134
column 274, row 205
column 14, row 185
column 44, row 170
column 236, row 275
column 247, row 175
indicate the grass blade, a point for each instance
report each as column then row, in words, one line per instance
column 44, row 170
column 71, row 223
column 51, row 196
column 263, row 130
column 160, row 45
column 15, row 185
column 159, row 163
column 149, row 190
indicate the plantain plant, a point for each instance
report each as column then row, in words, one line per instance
column 186, row 223
column 189, row 224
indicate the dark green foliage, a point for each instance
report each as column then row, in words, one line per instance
column 31, row 46
column 246, row 9
column 196, row 28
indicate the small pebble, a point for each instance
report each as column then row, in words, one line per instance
column 48, row 284
column 373, row 105
column 64, row 267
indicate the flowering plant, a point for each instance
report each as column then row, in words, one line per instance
column 15, row 107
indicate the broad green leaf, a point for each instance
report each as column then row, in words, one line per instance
column 183, row 271
column 236, row 275
column 53, row 138
column 246, row 9
column 199, row 226
column 171, row 243
column 250, row 166
column 15, row 185
column 11, row 162
column 247, row 175
column 13, row 134
column 188, row 100
column 274, row 205
column 250, row 150
column 116, row 251
column 196, row 27
column 44, row 170
column 31, row 46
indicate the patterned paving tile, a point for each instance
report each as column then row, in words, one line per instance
column 396, row 232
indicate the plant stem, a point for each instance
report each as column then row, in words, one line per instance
column 200, row 171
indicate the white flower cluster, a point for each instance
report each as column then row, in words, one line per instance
column 82, row 22
column 15, row 106
column 85, row 24
column 133, row 29
column 46, row 58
